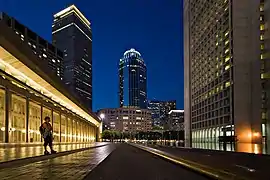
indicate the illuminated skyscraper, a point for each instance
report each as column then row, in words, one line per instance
column 132, row 80
column 226, row 72
column 73, row 35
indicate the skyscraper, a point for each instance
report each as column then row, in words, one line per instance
column 132, row 80
column 226, row 74
column 160, row 111
column 73, row 35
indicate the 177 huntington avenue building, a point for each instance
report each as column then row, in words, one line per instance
column 127, row 119
column 29, row 92
column 227, row 70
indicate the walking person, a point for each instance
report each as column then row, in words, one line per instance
column 46, row 132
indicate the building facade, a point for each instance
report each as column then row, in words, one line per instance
column 160, row 111
column 72, row 34
column 176, row 120
column 226, row 70
column 47, row 53
column 29, row 92
column 132, row 80
column 127, row 119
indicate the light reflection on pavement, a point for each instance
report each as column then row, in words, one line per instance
column 73, row 166
column 8, row 154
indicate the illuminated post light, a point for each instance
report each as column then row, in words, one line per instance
column 102, row 116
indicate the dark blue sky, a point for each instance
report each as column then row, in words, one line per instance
column 153, row 27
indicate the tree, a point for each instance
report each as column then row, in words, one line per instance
column 107, row 134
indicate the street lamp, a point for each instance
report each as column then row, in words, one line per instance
column 102, row 116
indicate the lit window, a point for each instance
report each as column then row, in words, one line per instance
column 217, row 44
column 44, row 55
column 125, row 117
column 227, row 67
column 226, row 34
column 261, row 7
column 262, row 27
column 262, row 56
column 262, row 37
column 227, row 58
column 227, row 50
column 263, row 115
column 227, row 84
column 265, row 76
column 226, row 42
column 34, row 46
column 262, row 46
column 53, row 60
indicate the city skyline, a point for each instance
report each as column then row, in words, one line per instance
column 156, row 48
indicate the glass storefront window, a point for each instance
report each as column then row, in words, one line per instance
column 63, row 128
column 46, row 112
column 74, row 125
column 34, row 122
column 17, row 130
column 2, row 115
column 78, row 131
column 69, row 130
column 56, row 127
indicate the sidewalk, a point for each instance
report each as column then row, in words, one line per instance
column 224, row 165
column 74, row 166
column 17, row 152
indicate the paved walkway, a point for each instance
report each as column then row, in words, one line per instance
column 130, row 163
column 13, row 153
column 74, row 166
column 244, row 165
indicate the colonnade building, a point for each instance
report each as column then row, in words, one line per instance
column 29, row 92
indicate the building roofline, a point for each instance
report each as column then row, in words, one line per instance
column 176, row 111
column 77, row 12
column 12, row 43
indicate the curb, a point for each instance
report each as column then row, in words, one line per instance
column 193, row 166
column 28, row 160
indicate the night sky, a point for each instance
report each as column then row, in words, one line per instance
column 153, row 27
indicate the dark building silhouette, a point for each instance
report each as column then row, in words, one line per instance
column 72, row 34
column 46, row 52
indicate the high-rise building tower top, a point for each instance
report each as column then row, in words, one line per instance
column 72, row 34
column 69, row 10
column 132, row 80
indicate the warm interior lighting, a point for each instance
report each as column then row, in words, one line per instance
column 20, row 71
column 256, row 134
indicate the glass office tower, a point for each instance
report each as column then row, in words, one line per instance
column 73, row 35
column 132, row 80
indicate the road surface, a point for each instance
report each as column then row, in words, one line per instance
column 130, row 163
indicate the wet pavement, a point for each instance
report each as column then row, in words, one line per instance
column 131, row 163
column 13, row 153
column 244, row 165
column 73, row 166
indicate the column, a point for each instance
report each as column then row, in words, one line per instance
column 7, row 113
column 60, row 128
column 27, row 118
column 41, row 118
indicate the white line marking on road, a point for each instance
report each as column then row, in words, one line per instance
column 246, row 168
